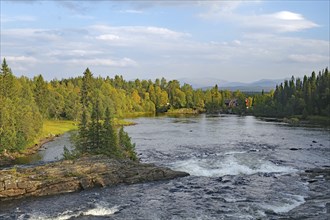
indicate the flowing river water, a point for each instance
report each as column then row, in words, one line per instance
column 241, row 168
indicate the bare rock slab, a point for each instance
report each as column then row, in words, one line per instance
column 74, row 175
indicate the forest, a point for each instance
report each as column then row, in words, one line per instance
column 26, row 103
column 305, row 97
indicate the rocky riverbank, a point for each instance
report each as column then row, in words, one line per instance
column 7, row 159
column 74, row 175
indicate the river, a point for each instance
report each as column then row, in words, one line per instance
column 241, row 168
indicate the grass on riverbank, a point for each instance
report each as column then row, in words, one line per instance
column 50, row 129
column 58, row 127
column 122, row 122
column 182, row 111
column 138, row 114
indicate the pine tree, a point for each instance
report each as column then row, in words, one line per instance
column 7, row 82
column 83, row 143
column 41, row 95
column 109, row 136
column 86, row 88
column 94, row 131
column 126, row 145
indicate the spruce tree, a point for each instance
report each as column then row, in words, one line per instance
column 41, row 95
column 83, row 137
column 109, row 136
column 126, row 145
column 94, row 131
column 86, row 88
column 84, row 141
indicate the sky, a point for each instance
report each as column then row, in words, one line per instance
column 242, row 41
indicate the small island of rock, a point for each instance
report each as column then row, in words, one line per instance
column 74, row 175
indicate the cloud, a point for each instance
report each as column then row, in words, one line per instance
column 131, row 11
column 124, row 62
column 24, row 59
column 21, row 63
column 277, row 22
column 164, row 49
column 20, row 18
column 309, row 58
column 75, row 6
column 155, row 49
column 283, row 21
column 219, row 8
column 287, row 15
column 136, row 32
column 108, row 37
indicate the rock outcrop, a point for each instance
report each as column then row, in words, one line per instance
column 74, row 175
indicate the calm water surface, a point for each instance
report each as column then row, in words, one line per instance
column 241, row 168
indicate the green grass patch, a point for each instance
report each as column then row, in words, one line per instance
column 138, row 114
column 182, row 111
column 122, row 122
column 57, row 127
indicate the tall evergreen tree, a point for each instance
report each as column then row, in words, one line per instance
column 7, row 81
column 83, row 143
column 126, row 145
column 109, row 137
column 95, row 128
column 86, row 88
column 41, row 94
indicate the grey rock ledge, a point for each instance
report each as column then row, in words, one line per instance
column 75, row 175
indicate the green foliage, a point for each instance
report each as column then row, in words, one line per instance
column 69, row 155
column 20, row 120
column 41, row 95
column 25, row 104
column 109, row 136
column 295, row 97
column 95, row 137
column 126, row 145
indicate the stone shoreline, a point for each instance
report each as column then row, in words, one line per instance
column 8, row 160
column 75, row 175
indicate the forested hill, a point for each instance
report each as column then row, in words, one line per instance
column 25, row 103
column 304, row 97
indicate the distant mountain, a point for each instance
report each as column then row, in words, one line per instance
column 198, row 83
column 257, row 86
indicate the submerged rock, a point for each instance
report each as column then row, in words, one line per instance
column 74, row 175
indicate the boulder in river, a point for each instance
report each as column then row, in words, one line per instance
column 74, row 175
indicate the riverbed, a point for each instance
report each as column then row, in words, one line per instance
column 241, row 168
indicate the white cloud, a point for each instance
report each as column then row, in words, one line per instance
column 109, row 37
column 24, row 59
column 218, row 8
column 287, row 15
column 20, row 18
column 283, row 21
column 21, row 63
column 31, row 34
column 159, row 49
column 124, row 62
column 277, row 22
column 138, row 31
column 309, row 58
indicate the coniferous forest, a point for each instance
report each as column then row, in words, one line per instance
column 94, row 101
